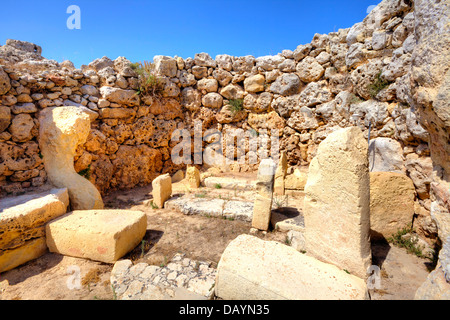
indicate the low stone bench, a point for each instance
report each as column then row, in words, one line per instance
column 101, row 235
column 229, row 183
column 22, row 225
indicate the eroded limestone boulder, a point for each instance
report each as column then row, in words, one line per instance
column 253, row 269
column 162, row 189
column 264, row 194
column 336, row 205
column 61, row 130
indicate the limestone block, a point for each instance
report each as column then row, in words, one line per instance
column 32, row 249
column 254, row 83
column 336, row 205
column 178, row 176
column 253, row 269
column 193, row 177
column 162, row 189
column 386, row 154
column 21, row 217
column 264, row 193
column 296, row 180
column 61, row 130
column 101, row 235
column 391, row 203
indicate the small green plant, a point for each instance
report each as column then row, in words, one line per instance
column 41, row 155
column 152, row 205
column 149, row 83
column 345, row 270
column 378, row 85
column 200, row 195
column 288, row 240
column 218, row 186
column 235, row 105
column 86, row 173
column 355, row 99
column 280, row 202
column 409, row 243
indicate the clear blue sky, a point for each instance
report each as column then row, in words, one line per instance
column 139, row 29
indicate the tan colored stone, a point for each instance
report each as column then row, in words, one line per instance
column 101, row 235
column 193, row 177
column 32, row 249
column 21, row 217
column 178, row 176
column 391, row 203
column 264, row 194
column 62, row 129
column 254, row 83
column 253, row 269
column 336, row 205
column 162, row 189
column 280, row 174
column 296, row 180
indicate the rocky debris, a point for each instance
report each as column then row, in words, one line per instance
column 61, row 130
column 253, row 269
column 336, row 204
column 391, row 203
column 264, row 194
column 22, row 225
column 107, row 234
column 162, row 189
column 180, row 279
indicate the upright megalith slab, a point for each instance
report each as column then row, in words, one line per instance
column 61, row 130
column 193, row 177
column 264, row 193
column 336, row 205
column 280, row 175
column 162, row 189
column 254, row 269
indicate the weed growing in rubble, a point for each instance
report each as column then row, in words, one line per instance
column 377, row 85
column 86, row 173
column 149, row 83
column 235, row 105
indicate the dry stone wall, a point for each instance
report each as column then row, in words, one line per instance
column 356, row 76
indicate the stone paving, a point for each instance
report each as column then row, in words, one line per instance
column 182, row 278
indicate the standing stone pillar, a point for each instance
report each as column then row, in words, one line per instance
column 264, row 193
column 162, row 189
column 337, row 206
column 280, row 174
column 61, row 130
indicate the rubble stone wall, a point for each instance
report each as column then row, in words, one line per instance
column 355, row 76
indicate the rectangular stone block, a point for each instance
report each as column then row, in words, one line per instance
column 101, row 235
column 162, row 189
column 31, row 249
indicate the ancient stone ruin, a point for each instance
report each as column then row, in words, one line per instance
column 320, row 153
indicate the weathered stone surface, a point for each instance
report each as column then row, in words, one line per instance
column 271, row 122
column 232, row 91
column 165, row 66
column 107, row 234
column 162, row 189
column 253, row 269
column 61, row 130
column 254, row 83
column 386, row 154
column 5, row 118
column 309, row 70
column 120, row 96
column 193, row 177
column 286, row 84
column 229, row 183
column 264, row 193
column 19, row 215
column 391, row 203
column 280, row 174
column 32, row 249
column 336, row 205
column 296, row 180
column 191, row 99
column 5, row 82
column 21, row 128
column 212, row 100
column 182, row 278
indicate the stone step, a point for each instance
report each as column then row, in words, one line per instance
column 101, row 235
column 190, row 204
column 22, row 225
column 229, row 183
